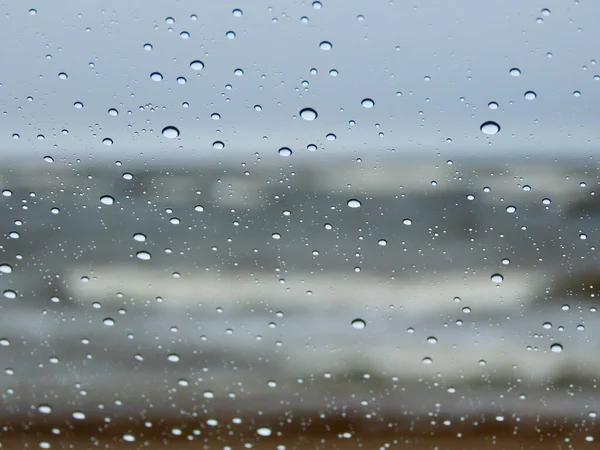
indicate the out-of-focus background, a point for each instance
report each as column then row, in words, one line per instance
column 304, row 225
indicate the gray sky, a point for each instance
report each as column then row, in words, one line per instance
column 466, row 48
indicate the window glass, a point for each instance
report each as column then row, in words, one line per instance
column 289, row 225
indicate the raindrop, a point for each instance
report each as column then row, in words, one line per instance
column 358, row 324
column 284, row 151
column 181, row 80
column 208, row 394
column 276, row 236
column 489, row 127
column 63, row 76
column 218, row 145
column 113, row 112
column 264, row 431
column 382, row 242
column 407, row 222
column 497, row 278
column 493, row 105
column 367, row 103
column 583, row 236
column 5, row 268
column 546, row 201
column 530, row 95
column 545, row 12
column 139, row 237
column 237, row 13
column 215, row 116
column 78, row 415
column 107, row 200
column 9, row 293
column 184, row 35
column 78, row 105
column 144, row 256
column 354, row 203
column 129, row 437
column 198, row 208
column 156, row 76
column 576, row 94
column 108, row 322
column 45, row 409
column 427, row 360
column 308, row 114
column 432, row 340
column 170, row 132
column 33, row 12
column 173, row 357
column 331, row 137
column 147, row 47
column 197, row 65
column 515, row 72
column 505, row 261
column 511, row 209
column 325, row 45
column 311, row 147
column 230, row 34
column 107, row 141
column 556, row 348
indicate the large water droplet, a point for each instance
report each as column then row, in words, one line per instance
column 156, row 76
column 45, row 409
column 284, row 151
column 489, row 127
column 556, row 348
column 367, row 103
column 308, row 114
column 264, row 431
column 530, row 95
column 5, row 268
column 107, row 141
column 358, row 324
column 515, row 72
column 78, row 415
column 144, row 256
column 139, row 237
column 107, row 200
column 218, row 145
column 497, row 278
column 197, row 65
column 354, row 203
column 325, row 45
column 170, row 132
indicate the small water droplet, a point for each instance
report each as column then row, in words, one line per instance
column 308, row 114
column 147, row 47
column 511, row 209
column 218, row 145
column 129, row 437
column 432, row 340
column 331, row 137
column 576, row 94
column 284, row 151
column 156, row 76
column 78, row 105
column 382, row 242
column 78, row 415
column 208, row 394
column 45, row 409
column 170, row 132
column 139, row 237
column 108, row 322
column 113, row 112
column 489, row 127
column 427, row 360
column 173, row 357
column 358, row 324
column 230, row 34
column 63, row 76
column 107, row 141
column 407, row 222
column 546, row 12
column 505, row 261
column 493, row 105
column 276, row 236
column 583, row 236
column 354, row 203
column 237, row 13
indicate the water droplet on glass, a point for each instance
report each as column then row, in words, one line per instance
column 489, row 127
column 147, row 47
column 530, row 95
column 144, row 256
column 367, row 103
column 33, row 12
column 156, row 76
column 331, row 137
column 230, row 35
column 308, row 114
column 583, row 236
column 208, row 394
column 515, row 72
column 432, row 340
column 505, row 261
column 63, row 76
column 276, row 236
column 556, row 348
column 107, row 200
column 354, row 203
column 107, row 141
column 325, row 45
column 545, row 12
column 493, row 105
column 576, row 94
column 218, row 145
column 284, row 151
column 5, row 268
column 78, row 415
column 9, row 293
column 78, row 105
column 108, row 322
column 237, row 13
column 173, row 357
column 45, row 409
column 382, row 242
column 427, row 360
column 358, row 324
column 197, row 65
column 129, row 437
column 181, row 80
column 497, row 278
column 113, row 112
column 511, row 209
column 170, row 132
column 264, row 431
column 139, row 237
column 184, row 35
